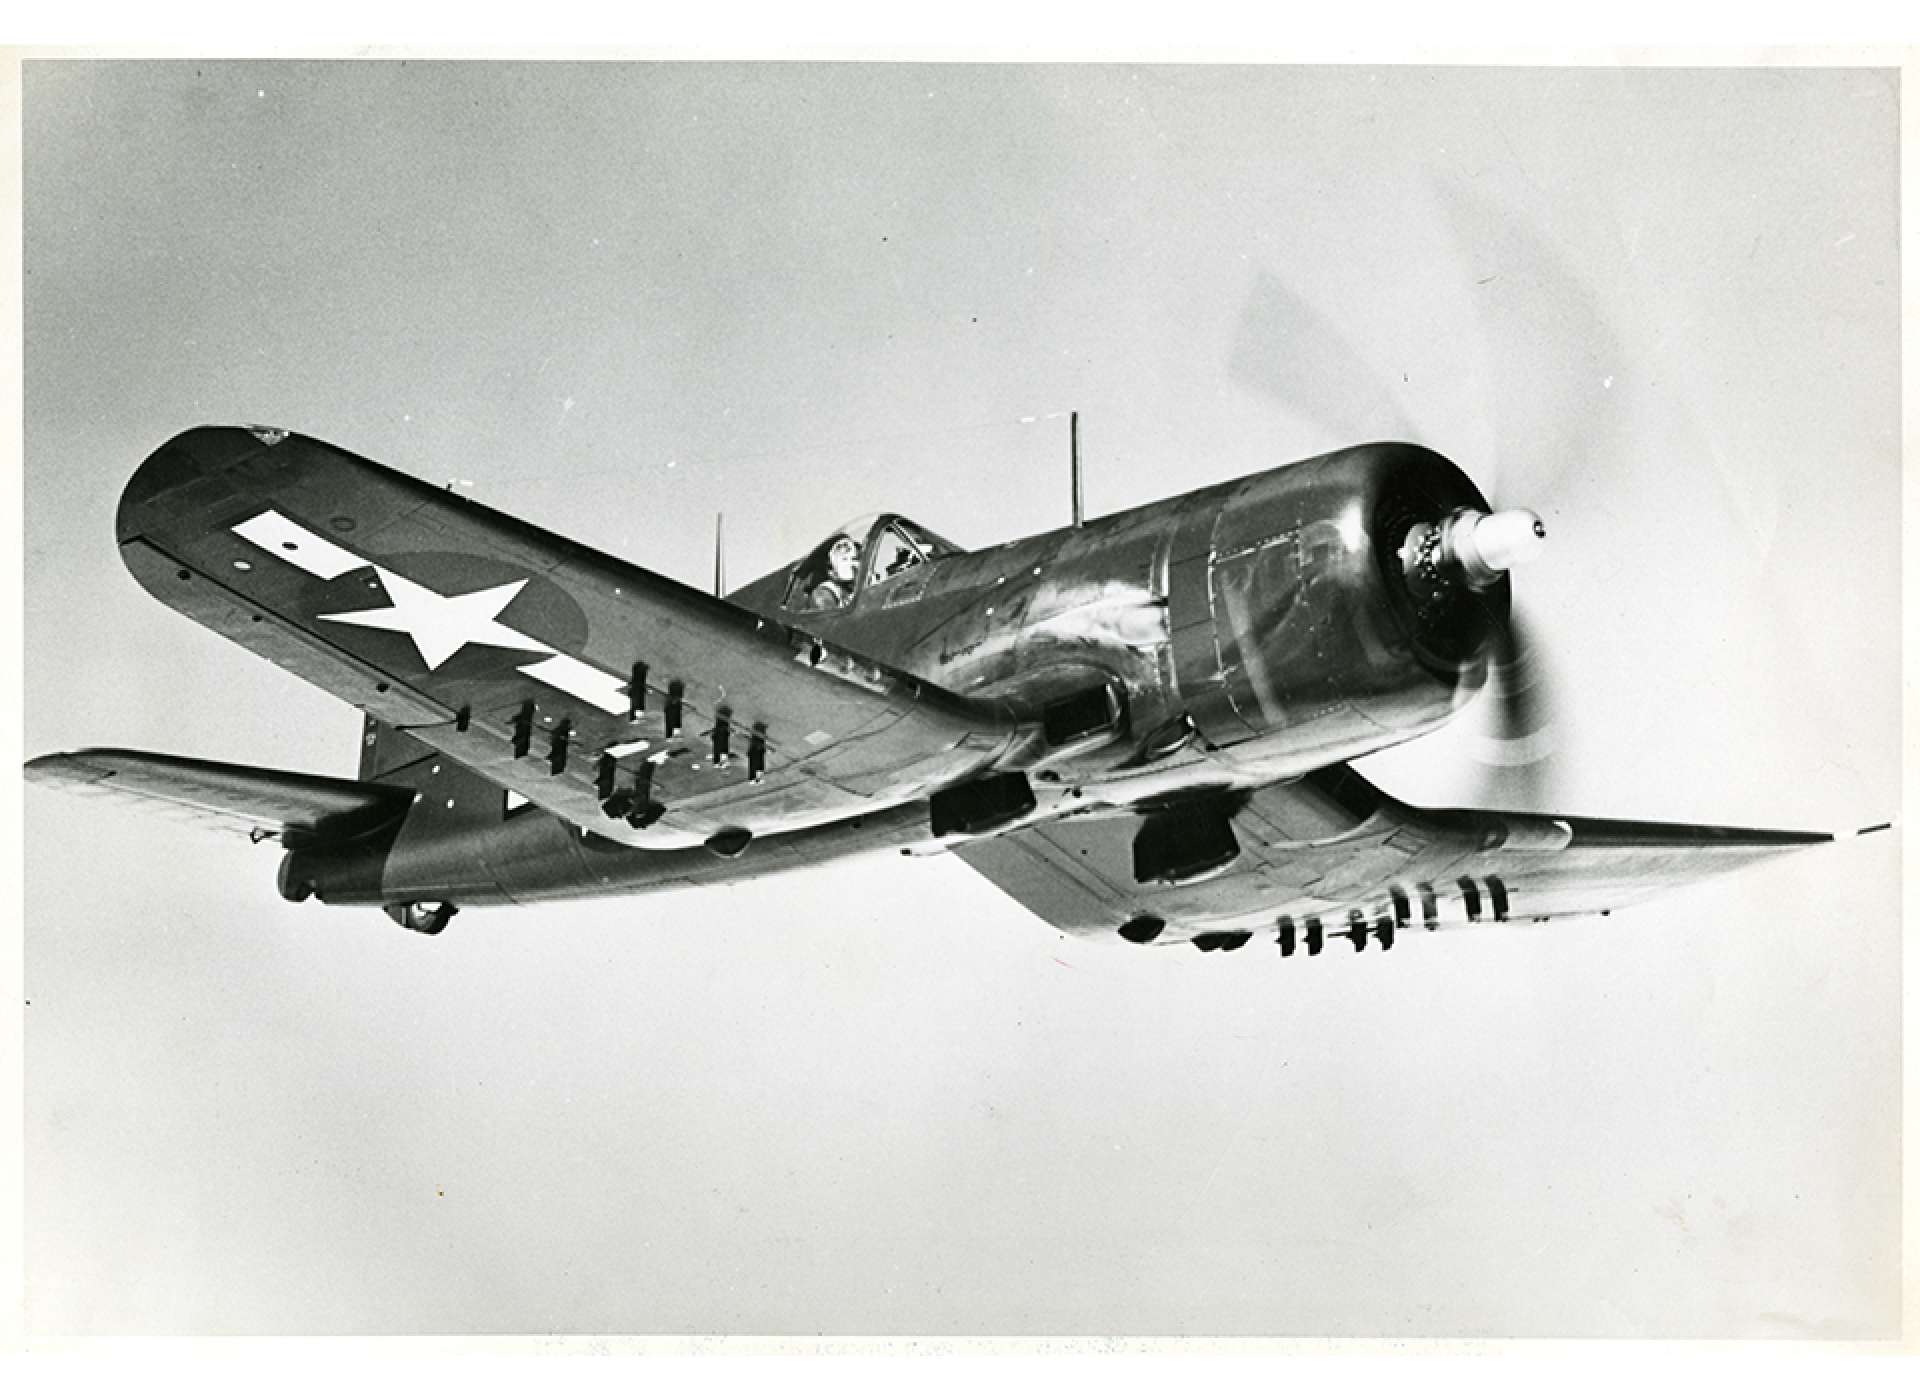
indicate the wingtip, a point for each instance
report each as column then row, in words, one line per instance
column 178, row 463
column 76, row 766
column 61, row 770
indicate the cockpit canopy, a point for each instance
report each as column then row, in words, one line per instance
column 862, row 554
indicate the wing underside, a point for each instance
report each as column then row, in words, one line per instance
column 647, row 712
column 1333, row 856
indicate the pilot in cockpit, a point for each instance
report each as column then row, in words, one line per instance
column 843, row 564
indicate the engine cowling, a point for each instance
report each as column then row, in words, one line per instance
column 1339, row 606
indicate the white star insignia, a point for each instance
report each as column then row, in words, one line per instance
column 441, row 625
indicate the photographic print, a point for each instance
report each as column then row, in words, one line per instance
column 916, row 699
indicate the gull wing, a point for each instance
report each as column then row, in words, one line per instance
column 1333, row 856
column 643, row 710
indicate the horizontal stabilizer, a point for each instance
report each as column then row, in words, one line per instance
column 298, row 809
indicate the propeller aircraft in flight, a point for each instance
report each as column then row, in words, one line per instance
column 1139, row 727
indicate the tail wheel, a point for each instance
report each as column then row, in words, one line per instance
column 426, row 916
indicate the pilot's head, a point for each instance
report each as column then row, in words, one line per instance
column 843, row 556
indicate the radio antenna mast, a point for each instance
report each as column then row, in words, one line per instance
column 720, row 554
column 1079, row 504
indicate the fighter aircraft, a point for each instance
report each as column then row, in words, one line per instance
column 1138, row 726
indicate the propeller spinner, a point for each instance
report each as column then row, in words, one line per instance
column 1469, row 547
column 1485, row 547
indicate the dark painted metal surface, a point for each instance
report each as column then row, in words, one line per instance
column 1273, row 611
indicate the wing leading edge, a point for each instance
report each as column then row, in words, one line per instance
column 1331, row 856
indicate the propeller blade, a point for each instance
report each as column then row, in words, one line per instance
column 1289, row 352
column 1518, row 739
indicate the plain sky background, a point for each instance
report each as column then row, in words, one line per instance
column 1658, row 306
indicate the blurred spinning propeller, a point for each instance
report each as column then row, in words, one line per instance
column 1546, row 356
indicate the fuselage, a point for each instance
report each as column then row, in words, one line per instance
column 1252, row 631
